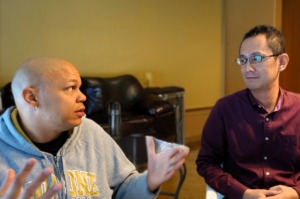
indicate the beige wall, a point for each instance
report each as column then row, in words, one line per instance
column 191, row 43
column 176, row 42
column 240, row 16
column 194, row 122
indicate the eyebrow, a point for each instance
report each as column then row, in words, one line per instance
column 252, row 54
column 76, row 81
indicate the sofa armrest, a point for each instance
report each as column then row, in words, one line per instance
column 153, row 105
column 164, row 90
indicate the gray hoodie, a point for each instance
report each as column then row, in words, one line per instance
column 89, row 165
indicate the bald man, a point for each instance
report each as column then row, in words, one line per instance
column 48, row 124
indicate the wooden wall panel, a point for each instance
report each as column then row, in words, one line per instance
column 290, row 78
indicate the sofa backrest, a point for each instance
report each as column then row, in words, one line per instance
column 94, row 89
column 100, row 91
column 125, row 89
column 7, row 96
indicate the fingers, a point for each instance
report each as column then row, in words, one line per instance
column 177, row 154
column 16, row 185
column 7, row 182
column 286, row 191
column 13, row 183
column 175, row 165
column 34, row 185
column 276, row 188
column 175, row 158
column 52, row 191
column 270, row 193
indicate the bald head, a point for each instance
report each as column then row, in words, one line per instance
column 48, row 97
column 35, row 72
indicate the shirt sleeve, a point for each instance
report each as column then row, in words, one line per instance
column 297, row 188
column 135, row 187
column 212, row 155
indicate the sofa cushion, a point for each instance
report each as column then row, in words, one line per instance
column 94, row 89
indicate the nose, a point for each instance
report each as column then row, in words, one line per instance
column 81, row 97
column 248, row 67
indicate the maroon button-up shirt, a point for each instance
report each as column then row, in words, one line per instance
column 255, row 149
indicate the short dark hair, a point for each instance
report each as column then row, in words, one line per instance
column 275, row 39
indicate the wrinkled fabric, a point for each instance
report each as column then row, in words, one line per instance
column 243, row 146
column 89, row 165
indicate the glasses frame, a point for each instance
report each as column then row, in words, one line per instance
column 251, row 59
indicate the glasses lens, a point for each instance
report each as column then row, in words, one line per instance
column 255, row 59
column 241, row 61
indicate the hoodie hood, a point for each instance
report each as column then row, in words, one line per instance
column 10, row 135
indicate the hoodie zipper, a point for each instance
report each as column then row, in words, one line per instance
column 57, row 174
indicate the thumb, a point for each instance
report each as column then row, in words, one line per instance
column 274, row 191
column 276, row 188
column 150, row 147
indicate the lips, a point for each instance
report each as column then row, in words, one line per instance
column 80, row 112
column 251, row 77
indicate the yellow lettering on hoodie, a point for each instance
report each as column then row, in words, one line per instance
column 43, row 187
column 83, row 184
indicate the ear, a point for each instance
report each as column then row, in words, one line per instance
column 283, row 61
column 30, row 96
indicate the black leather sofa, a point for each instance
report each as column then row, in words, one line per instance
column 142, row 112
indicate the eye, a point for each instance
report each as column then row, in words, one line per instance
column 241, row 61
column 256, row 58
column 71, row 88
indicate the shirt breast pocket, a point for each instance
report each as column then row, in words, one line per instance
column 286, row 147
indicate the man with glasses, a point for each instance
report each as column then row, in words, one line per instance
column 250, row 142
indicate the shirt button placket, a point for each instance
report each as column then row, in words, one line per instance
column 266, row 157
column 266, row 171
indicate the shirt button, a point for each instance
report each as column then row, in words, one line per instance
column 267, row 119
column 266, row 138
column 265, row 158
column 267, row 173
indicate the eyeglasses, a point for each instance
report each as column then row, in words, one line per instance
column 255, row 59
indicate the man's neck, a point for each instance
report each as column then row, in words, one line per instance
column 268, row 99
column 54, row 145
column 39, row 135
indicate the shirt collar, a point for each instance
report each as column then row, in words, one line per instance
column 258, row 106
